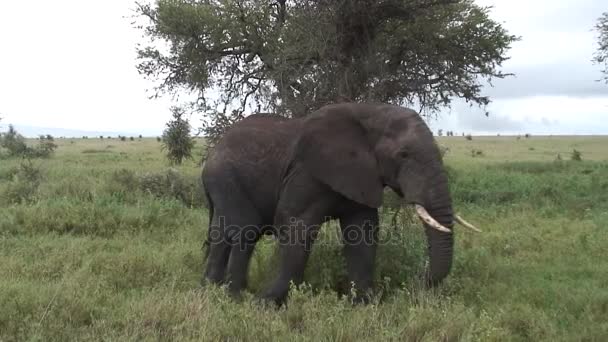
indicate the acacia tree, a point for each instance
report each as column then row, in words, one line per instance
column 293, row 56
column 601, row 56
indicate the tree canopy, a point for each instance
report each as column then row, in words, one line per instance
column 601, row 56
column 293, row 56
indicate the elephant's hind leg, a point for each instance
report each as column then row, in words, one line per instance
column 240, row 256
column 218, row 251
column 234, row 231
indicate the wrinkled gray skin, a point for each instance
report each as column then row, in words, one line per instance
column 288, row 176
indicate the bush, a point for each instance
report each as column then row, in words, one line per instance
column 15, row 144
column 576, row 155
column 158, row 139
column 46, row 147
column 168, row 184
column 469, row 137
column 131, row 138
column 176, row 138
column 24, row 183
column 476, row 153
column 122, row 138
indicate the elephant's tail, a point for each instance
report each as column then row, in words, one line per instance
column 207, row 243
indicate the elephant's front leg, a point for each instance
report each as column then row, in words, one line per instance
column 296, row 237
column 360, row 237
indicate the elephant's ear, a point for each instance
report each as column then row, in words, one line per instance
column 334, row 148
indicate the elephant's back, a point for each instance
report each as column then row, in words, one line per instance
column 252, row 154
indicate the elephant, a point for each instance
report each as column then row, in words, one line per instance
column 272, row 175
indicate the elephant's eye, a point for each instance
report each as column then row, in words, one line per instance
column 403, row 154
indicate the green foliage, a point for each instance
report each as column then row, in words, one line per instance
column 177, row 141
column 292, row 57
column 601, row 55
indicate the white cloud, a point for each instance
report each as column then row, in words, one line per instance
column 71, row 64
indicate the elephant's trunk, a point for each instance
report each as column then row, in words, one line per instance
column 440, row 243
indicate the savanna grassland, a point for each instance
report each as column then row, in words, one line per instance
column 103, row 241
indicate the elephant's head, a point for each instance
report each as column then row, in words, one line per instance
column 358, row 149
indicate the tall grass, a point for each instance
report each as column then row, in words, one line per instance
column 109, row 246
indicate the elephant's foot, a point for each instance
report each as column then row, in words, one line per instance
column 273, row 298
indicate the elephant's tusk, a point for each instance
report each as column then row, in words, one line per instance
column 466, row 224
column 426, row 217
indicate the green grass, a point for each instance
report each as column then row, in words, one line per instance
column 105, row 243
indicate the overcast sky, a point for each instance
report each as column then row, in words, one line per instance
column 71, row 64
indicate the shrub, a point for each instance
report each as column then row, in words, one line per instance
column 476, row 153
column 13, row 142
column 122, row 138
column 169, row 184
column 576, row 155
column 46, row 147
column 469, row 137
column 131, row 138
column 24, row 183
column 140, row 136
column 158, row 139
column 176, row 138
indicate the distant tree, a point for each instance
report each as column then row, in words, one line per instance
column 131, row 138
column 101, row 137
column 158, row 139
column 291, row 57
column 122, row 138
column 440, row 132
column 140, row 136
column 176, row 137
column 601, row 55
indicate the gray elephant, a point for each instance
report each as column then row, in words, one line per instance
column 269, row 174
